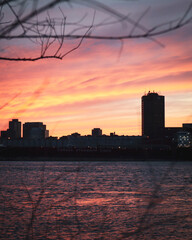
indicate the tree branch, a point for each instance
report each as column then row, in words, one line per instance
column 49, row 33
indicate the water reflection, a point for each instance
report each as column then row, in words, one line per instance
column 95, row 200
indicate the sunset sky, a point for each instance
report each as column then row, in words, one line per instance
column 98, row 85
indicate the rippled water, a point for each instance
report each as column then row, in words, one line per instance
column 96, row 200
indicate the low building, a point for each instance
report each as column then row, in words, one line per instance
column 96, row 132
column 35, row 130
column 170, row 133
column 184, row 139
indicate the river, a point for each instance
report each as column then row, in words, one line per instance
column 95, row 200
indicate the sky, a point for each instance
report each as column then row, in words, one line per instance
column 101, row 83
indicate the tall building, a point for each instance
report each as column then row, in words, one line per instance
column 153, row 115
column 35, row 130
column 14, row 129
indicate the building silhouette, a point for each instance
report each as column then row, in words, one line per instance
column 153, row 115
column 14, row 130
column 96, row 132
column 35, row 130
column 187, row 126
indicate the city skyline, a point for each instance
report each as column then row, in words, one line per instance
column 152, row 117
column 98, row 85
column 151, row 95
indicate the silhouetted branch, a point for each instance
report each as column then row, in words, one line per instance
column 49, row 32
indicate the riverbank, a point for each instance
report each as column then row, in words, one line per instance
column 51, row 154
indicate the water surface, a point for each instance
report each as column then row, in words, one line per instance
column 96, row 200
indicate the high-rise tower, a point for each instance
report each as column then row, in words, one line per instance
column 14, row 130
column 153, row 115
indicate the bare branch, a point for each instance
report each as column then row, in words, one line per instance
column 43, row 28
column 16, row 16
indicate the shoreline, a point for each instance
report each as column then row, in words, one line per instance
column 89, row 159
column 54, row 154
